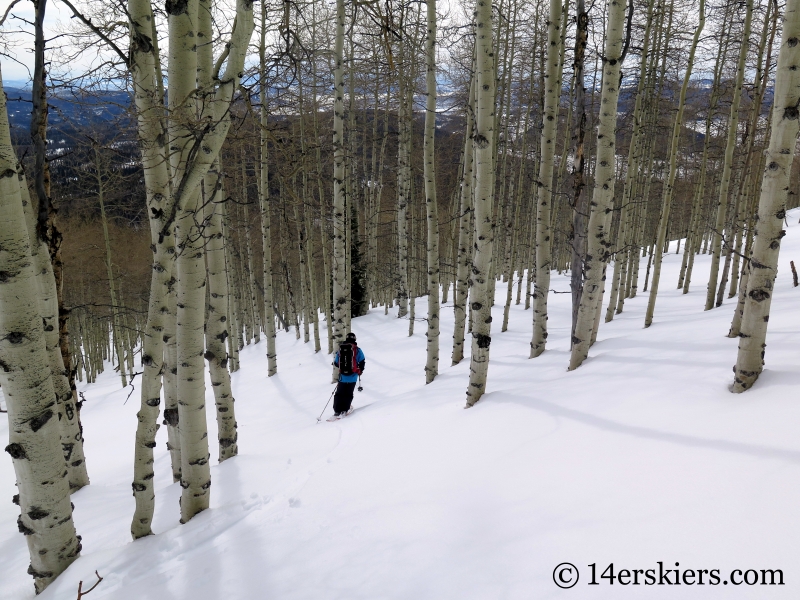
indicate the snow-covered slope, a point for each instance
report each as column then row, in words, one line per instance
column 639, row 456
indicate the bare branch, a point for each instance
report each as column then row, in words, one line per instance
column 81, row 593
column 88, row 22
column 8, row 10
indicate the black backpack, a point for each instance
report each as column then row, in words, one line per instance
column 348, row 365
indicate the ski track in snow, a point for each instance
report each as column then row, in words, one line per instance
column 639, row 456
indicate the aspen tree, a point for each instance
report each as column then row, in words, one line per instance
column 552, row 79
column 170, row 368
column 349, row 184
column 217, row 319
column 504, row 201
column 216, row 322
column 635, row 150
column 404, row 126
column 45, row 244
column 340, row 250
column 432, row 212
column 694, row 239
column 252, row 296
column 151, row 129
column 485, row 75
column 264, row 198
column 324, row 238
column 580, row 202
column 311, row 298
column 27, row 382
column 115, row 321
column 188, row 170
column 669, row 187
column 751, row 161
column 647, row 174
column 599, row 241
column 465, row 227
column 189, row 265
column 736, row 322
column 763, row 262
column 47, row 231
column 733, row 126
column 535, row 191
column 47, row 306
column 512, row 265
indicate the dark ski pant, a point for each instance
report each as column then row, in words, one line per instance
column 343, row 397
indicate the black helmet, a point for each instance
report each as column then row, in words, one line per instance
column 350, row 337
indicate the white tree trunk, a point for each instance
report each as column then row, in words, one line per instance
column 403, row 199
column 599, row 240
column 733, row 126
column 264, row 201
column 217, row 320
column 340, row 221
column 552, row 81
column 148, row 96
column 669, row 187
column 481, row 303
column 432, row 364
column 464, row 233
column 26, row 379
column 763, row 263
column 47, row 297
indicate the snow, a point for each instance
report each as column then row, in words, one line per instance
column 639, row 456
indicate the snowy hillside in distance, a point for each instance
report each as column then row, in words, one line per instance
column 639, row 456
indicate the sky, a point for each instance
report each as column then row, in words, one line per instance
column 17, row 60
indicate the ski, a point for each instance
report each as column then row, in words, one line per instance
column 348, row 413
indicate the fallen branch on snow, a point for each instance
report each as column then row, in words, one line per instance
column 81, row 593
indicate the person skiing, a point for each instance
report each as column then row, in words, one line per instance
column 351, row 362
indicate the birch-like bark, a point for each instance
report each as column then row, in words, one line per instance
column 736, row 322
column 325, row 244
column 750, row 189
column 485, row 74
column 599, row 240
column 464, row 232
column 517, row 201
column 189, row 169
column 627, row 205
column 340, row 222
column 189, row 265
column 26, row 379
column 404, row 116
column 311, row 305
column 580, row 203
column 669, row 187
column 264, row 199
column 763, row 262
column 144, row 68
column 733, row 126
column 170, row 370
column 252, row 297
column 552, row 80
column 47, row 299
column 432, row 211
column 217, row 320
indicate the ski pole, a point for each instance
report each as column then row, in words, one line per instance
column 360, row 388
column 326, row 404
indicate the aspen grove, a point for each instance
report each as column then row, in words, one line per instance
column 184, row 181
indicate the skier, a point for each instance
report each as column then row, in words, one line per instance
column 351, row 362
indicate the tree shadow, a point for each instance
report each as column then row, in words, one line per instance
column 681, row 439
